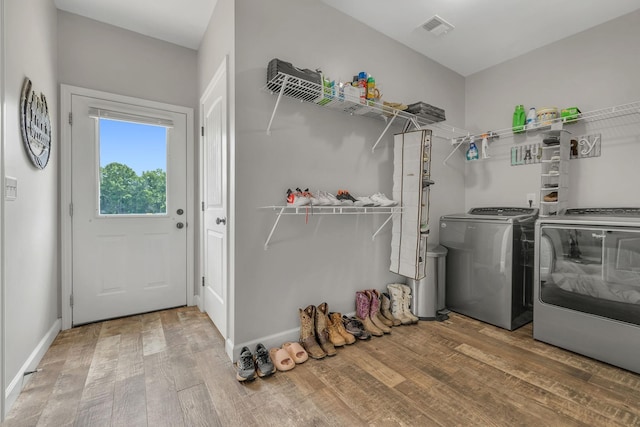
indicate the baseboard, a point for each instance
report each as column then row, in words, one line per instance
column 15, row 387
column 275, row 340
column 269, row 341
column 196, row 302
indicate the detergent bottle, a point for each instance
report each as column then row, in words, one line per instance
column 531, row 118
column 519, row 119
column 472, row 152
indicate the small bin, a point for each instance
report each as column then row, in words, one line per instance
column 427, row 294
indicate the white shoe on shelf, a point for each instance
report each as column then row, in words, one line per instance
column 383, row 200
column 333, row 199
column 366, row 201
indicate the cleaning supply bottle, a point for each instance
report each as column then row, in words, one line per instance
column 362, row 86
column 371, row 88
column 531, row 118
column 519, row 119
column 485, row 146
column 472, row 152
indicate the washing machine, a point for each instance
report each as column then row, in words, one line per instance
column 490, row 263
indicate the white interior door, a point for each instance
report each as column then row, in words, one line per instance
column 129, row 187
column 213, row 108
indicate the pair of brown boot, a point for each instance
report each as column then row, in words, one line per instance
column 320, row 333
column 372, row 308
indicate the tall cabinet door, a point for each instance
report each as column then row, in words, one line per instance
column 411, row 180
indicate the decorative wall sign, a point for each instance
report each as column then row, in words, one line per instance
column 586, row 146
column 526, row 154
column 35, row 125
column 581, row 147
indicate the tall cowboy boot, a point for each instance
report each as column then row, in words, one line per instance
column 385, row 309
column 322, row 330
column 307, row 333
column 374, row 308
column 379, row 315
column 397, row 308
column 337, row 323
column 406, row 299
column 362, row 313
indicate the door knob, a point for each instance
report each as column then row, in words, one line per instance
column 179, row 211
column 221, row 220
column 180, row 225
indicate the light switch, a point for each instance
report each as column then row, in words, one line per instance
column 10, row 188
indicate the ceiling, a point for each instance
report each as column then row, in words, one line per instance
column 182, row 22
column 486, row 33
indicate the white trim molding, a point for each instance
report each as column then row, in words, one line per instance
column 66, row 92
column 32, row 362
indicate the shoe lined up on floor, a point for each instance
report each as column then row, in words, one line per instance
column 321, row 331
column 355, row 327
column 343, row 198
column 400, row 302
column 281, row 359
column 249, row 365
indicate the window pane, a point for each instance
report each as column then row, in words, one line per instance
column 133, row 168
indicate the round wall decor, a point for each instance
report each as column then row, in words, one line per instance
column 35, row 125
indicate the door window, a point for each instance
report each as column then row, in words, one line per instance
column 133, row 168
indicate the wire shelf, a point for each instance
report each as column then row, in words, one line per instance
column 631, row 108
column 311, row 210
column 305, row 91
column 334, row 210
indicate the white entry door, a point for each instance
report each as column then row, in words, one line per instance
column 129, row 192
column 213, row 107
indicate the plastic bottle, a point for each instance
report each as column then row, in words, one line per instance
column 362, row 86
column 472, row 152
column 531, row 118
column 485, row 146
column 519, row 119
column 371, row 88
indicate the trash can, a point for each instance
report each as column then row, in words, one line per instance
column 427, row 294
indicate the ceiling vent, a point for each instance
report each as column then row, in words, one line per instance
column 437, row 26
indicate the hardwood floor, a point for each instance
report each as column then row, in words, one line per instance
column 169, row 369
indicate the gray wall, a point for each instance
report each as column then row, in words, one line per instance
column 107, row 58
column 99, row 56
column 31, row 221
column 593, row 70
column 331, row 257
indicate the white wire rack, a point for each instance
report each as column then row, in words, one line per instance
column 632, row 108
column 305, row 91
column 310, row 210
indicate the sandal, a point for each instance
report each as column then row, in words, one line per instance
column 281, row 359
column 295, row 350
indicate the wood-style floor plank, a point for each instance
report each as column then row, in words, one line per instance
column 170, row 368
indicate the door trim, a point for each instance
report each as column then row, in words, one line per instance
column 223, row 69
column 66, row 253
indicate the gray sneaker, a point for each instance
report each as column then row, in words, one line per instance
column 355, row 328
column 245, row 369
column 264, row 365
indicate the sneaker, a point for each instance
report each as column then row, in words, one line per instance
column 344, row 200
column 245, row 368
column 313, row 200
column 333, row 199
column 383, row 200
column 347, row 196
column 323, row 199
column 355, row 328
column 366, row 201
column 264, row 364
column 296, row 199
